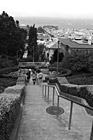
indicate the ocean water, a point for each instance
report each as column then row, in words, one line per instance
column 60, row 22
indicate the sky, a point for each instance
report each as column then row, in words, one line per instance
column 48, row 8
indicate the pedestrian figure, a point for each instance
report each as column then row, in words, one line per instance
column 34, row 77
column 28, row 76
column 31, row 73
column 40, row 77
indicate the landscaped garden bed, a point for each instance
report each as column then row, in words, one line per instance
column 61, row 71
column 8, row 70
column 9, row 109
column 10, row 101
column 81, row 91
column 5, row 82
column 81, row 79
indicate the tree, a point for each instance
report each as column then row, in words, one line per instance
column 76, row 62
column 40, row 30
column 41, row 52
column 54, row 57
column 10, row 35
column 33, row 42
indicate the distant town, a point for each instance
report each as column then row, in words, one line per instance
column 71, row 40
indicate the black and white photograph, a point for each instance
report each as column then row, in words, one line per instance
column 46, row 70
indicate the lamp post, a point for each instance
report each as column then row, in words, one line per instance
column 33, row 53
column 57, row 57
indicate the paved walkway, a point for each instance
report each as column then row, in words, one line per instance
column 37, row 124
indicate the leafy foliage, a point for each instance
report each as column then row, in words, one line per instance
column 32, row 41
column 11, row 38
column 36, row 51
column 6, row 63
column 41, row 52
column 81, row 79
column 76, row 62
column 5, row 82
column 54, row 57
column 40, row 30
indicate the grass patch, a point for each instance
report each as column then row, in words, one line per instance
column 81, row 79
column 5, row 82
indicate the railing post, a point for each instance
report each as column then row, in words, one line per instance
column 71, row 107
column 42, row 89
column 91, row 135
column 48, row 92
column 53, row 94
column 45, row 90
column 57, row 104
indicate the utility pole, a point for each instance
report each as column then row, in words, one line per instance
column 33, row 53
column 57, row 57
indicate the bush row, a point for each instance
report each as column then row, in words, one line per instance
column 8, row 70
column 10, row 101
column 21, row 80
column 9, row 108
column 81, row 91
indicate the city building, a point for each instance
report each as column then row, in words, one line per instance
column 68, row 46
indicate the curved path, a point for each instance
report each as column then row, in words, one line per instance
column 37, row 124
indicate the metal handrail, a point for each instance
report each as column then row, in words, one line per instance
column 59, row 94
column 68, row 98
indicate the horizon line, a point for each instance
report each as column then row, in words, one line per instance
column 74, row 18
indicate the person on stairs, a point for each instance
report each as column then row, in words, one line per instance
column 40, row 77
column 34, row 77
column 28, row 75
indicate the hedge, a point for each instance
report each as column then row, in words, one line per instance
column 46, row 78
column 10, row 101
column 11, row 75
column 21, row 80
column 17, row 89
column 8, row 70
column 81, row 91
column 52, row 80
column 9, row 108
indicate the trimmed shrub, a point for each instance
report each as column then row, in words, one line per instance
column 9, row 108
column 10, row 102
column 8, row 70
column 76, row 62
column 45, row 71
column 52, row 80
column 73, row 91
column 81, row 79
column 83, row 92
column 62, row 80
column 11, row 75
column 87, row 95
column 78, row 91
column 65, row 72
column 46, row 78
column 17, row 89
column 21, row 80
column 55, row 68
column 63, row 88
column 5, row 82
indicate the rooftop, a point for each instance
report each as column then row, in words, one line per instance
column 72, row 44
